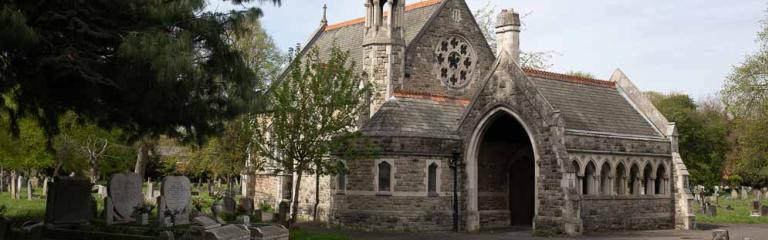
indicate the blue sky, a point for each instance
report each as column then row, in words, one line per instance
column 662, row 45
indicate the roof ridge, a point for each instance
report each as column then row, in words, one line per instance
column 569, row 78
column 409, row 7
column 430, row 96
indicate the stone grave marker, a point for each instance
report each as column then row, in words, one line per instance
column 227, row 232
column 744, row 193
column 29, row 189
column 174, row 201
column 755, row 208
column 101, row 190
column 124, row 195
column 758, row 194
column 712, row 210
column 150, row 197
column 764, row 211
column 69, row 201
column 206, row 222
column 720, row 234
column 734, row 194
column 229, row 205
column 246, row 206
column 283, row 213
column 269, row 232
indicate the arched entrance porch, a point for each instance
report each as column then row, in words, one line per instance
column 502, row 173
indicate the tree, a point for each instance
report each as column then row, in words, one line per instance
column 702, row 135
column 313, row 111
column 745, row 95
column 82, row 146
column 147, row 67
column 486, row 19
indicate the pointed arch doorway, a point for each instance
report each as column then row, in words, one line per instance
column 502, row 173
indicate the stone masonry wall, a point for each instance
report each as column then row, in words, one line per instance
column 266, row 188
column 419, row 73
column 307, row 197
column 609, row 213
column 408, row 207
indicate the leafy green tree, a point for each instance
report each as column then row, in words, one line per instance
column 313, row 111
column 745, row 95
column 144, row 66
column 702, row 135
column 87, row 149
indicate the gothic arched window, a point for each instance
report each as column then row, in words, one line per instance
column 384, row 176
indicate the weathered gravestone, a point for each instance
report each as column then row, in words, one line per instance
column 206, row 222
column 69, row 201
column 744, row 193
column 720, row 234
column 246, row 206
column 734, row 194
column 758, row 194
column 124, row 195
column 150, row 196
column 764, row 211
column 174, row 201
column 229, row 205
column 227, row 232
column 755, row 208
column 283, row 213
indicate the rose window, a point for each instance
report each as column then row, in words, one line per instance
column 454, row 61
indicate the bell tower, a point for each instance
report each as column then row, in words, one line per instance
column 383, row 49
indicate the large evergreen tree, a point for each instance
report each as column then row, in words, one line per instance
column 148, row 67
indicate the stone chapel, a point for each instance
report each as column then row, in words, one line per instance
column 551, row 152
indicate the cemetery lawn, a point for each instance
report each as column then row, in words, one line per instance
column 739, row 214
column 23, row 209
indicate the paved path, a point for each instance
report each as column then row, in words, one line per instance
column 736, row 231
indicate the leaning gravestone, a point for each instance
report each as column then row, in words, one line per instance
column 69, row 201
column 174, row 201
column 124, row 195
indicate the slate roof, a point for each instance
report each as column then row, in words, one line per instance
column 591, row 105
column 348, row 35
column 404, row 116
column 587, row 104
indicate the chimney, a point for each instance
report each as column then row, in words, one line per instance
column 508, row 34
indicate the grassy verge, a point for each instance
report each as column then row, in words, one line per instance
column 740, row 213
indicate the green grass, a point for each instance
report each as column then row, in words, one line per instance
column 300, row 234
column 23, row 209
column 740, row 213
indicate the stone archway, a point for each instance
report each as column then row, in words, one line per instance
column 502, row 173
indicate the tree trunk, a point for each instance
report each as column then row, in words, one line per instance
column 295, row 203
column 142, row 158
column 94, row 170
column 317, row 196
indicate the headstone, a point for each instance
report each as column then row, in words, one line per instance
column 124, row 196
column 712, row 211
column 174, row 200
column 758, row 194
column 45, row 185
column 734, row 194
column 244, row 220
column 246, row 206
column 764, row 211
column 150, row 196
column 206, row 222
column 744, row 193
column 229, row 205
column 283, row 213
column 720, row 234
column 270, row 232
column 69, row 201
column 755, row 208
column 29, row 189
column 226, row 232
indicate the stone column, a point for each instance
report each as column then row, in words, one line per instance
column 609, row 188
column 651, row 186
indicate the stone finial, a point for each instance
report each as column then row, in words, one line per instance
column 324, row 21
column 508, row 17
